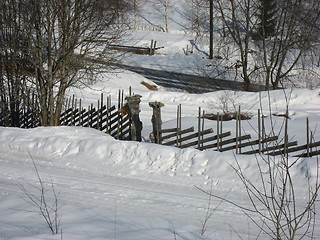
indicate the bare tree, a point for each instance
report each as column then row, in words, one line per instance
column 295, row 34
column 196, row 12
column 14, row 70
column 60, row 37
column 276, row 57
column 165, row 4
column 275, row 206
column 238, row 21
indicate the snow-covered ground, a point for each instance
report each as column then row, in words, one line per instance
column 110, row 189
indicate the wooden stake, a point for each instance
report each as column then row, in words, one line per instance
column 308, row 137
column 202, row 128
column 151, row 46
column 199, row 126
column 218, row 131
column 237, row 132
column 178, row 124
column 259, row 130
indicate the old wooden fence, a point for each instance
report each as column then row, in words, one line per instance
column 103, row 116
column 220, row 140
column 122, row 122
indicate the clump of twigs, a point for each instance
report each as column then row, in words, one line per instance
column 227, row 108
column 45, row 200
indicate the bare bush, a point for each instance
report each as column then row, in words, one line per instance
column 227, row 107
column 275, row 204
column 46, row 201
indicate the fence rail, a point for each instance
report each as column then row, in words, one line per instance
column 203, row 139
column 108, row 118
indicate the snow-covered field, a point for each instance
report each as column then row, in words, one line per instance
column 110, row 189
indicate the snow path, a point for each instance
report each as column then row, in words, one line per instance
column 133, row 196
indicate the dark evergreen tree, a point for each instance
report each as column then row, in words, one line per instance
column 267, row 14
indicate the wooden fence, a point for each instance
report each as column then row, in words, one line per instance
column 22, row 115
column 103, row 116
column 222, row 141
column 108, row 118
column 133, row 49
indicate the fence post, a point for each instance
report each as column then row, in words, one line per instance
column 108, row 113
column 156, row 120
column 199, row 126
column 237, row 130
column 151, row 46
column 178, row 125
column 218, row 131
column 202, row 137
column 308, row 141
column 259, row 130
column 134, row 109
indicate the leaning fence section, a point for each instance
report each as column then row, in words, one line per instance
column 122, row 122
column 102, row 116
column 117, row 121
column 218, row 139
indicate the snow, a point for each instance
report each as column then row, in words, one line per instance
column 111, row 189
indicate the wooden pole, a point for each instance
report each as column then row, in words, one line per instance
column 98, row 115
column 237, row 133
column 158, row 122
column 154, row 47
column 259, row 130
column 263, row 131
column 308, row 137
column 221, row 122
column 108, row 113
column 178, row 124
column 80, row 114
column 151, row 46
column 202, row 128
column 218, row 131
column 199, row 126
column 119, row 99
column 240, row 128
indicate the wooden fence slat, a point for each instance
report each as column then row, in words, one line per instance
column 309, row 154
column 232, row 140
column 295, row 149
column 220, row 142
column 205, row 140
column 251, row 143
column 126, row 118
column 194, row 135
column 279, row 146
column 184, row 131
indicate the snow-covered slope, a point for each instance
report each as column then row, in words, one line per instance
column 110, row 189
